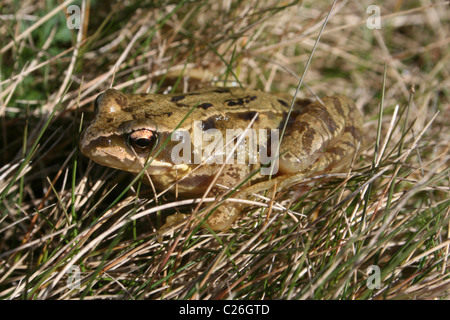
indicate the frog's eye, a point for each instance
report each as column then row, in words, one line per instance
column 143, row 140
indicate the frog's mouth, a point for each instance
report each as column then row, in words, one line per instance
column 113, row 151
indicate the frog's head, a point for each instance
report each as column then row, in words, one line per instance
column 123, row 136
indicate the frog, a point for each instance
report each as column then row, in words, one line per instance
column 176, row 141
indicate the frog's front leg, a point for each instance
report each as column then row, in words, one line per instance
column 229, row 179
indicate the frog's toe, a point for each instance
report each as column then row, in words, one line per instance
column 174, row 219
column 223, row 217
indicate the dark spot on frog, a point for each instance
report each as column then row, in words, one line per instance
column 283, row 103
column 205, row 105
column 308, row 139
column 233, row 174
column 109, row 120
column 240, row 101
column 149, row 100
column 302, row 127
column 121, row 101
column 248, row 116
column 182, row 105
column 127, row 109
column 208, row 124
column 221, row 90
column 177, row 98
column 249, row 99
column 354, row 131
column 322, row 114
column 338, row 151
column 231, row 102
column 338, row 106
column 288, row 156
column 149, row 115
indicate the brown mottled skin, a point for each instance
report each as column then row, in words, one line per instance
column 319, row 137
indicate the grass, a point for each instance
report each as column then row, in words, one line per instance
column 72, row 229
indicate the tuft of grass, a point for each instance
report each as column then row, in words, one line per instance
column 72, row 229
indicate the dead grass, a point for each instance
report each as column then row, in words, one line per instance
column 61, row 213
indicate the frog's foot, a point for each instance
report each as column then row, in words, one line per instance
column 219, row 220
column 223, row 217
column 173, row 220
